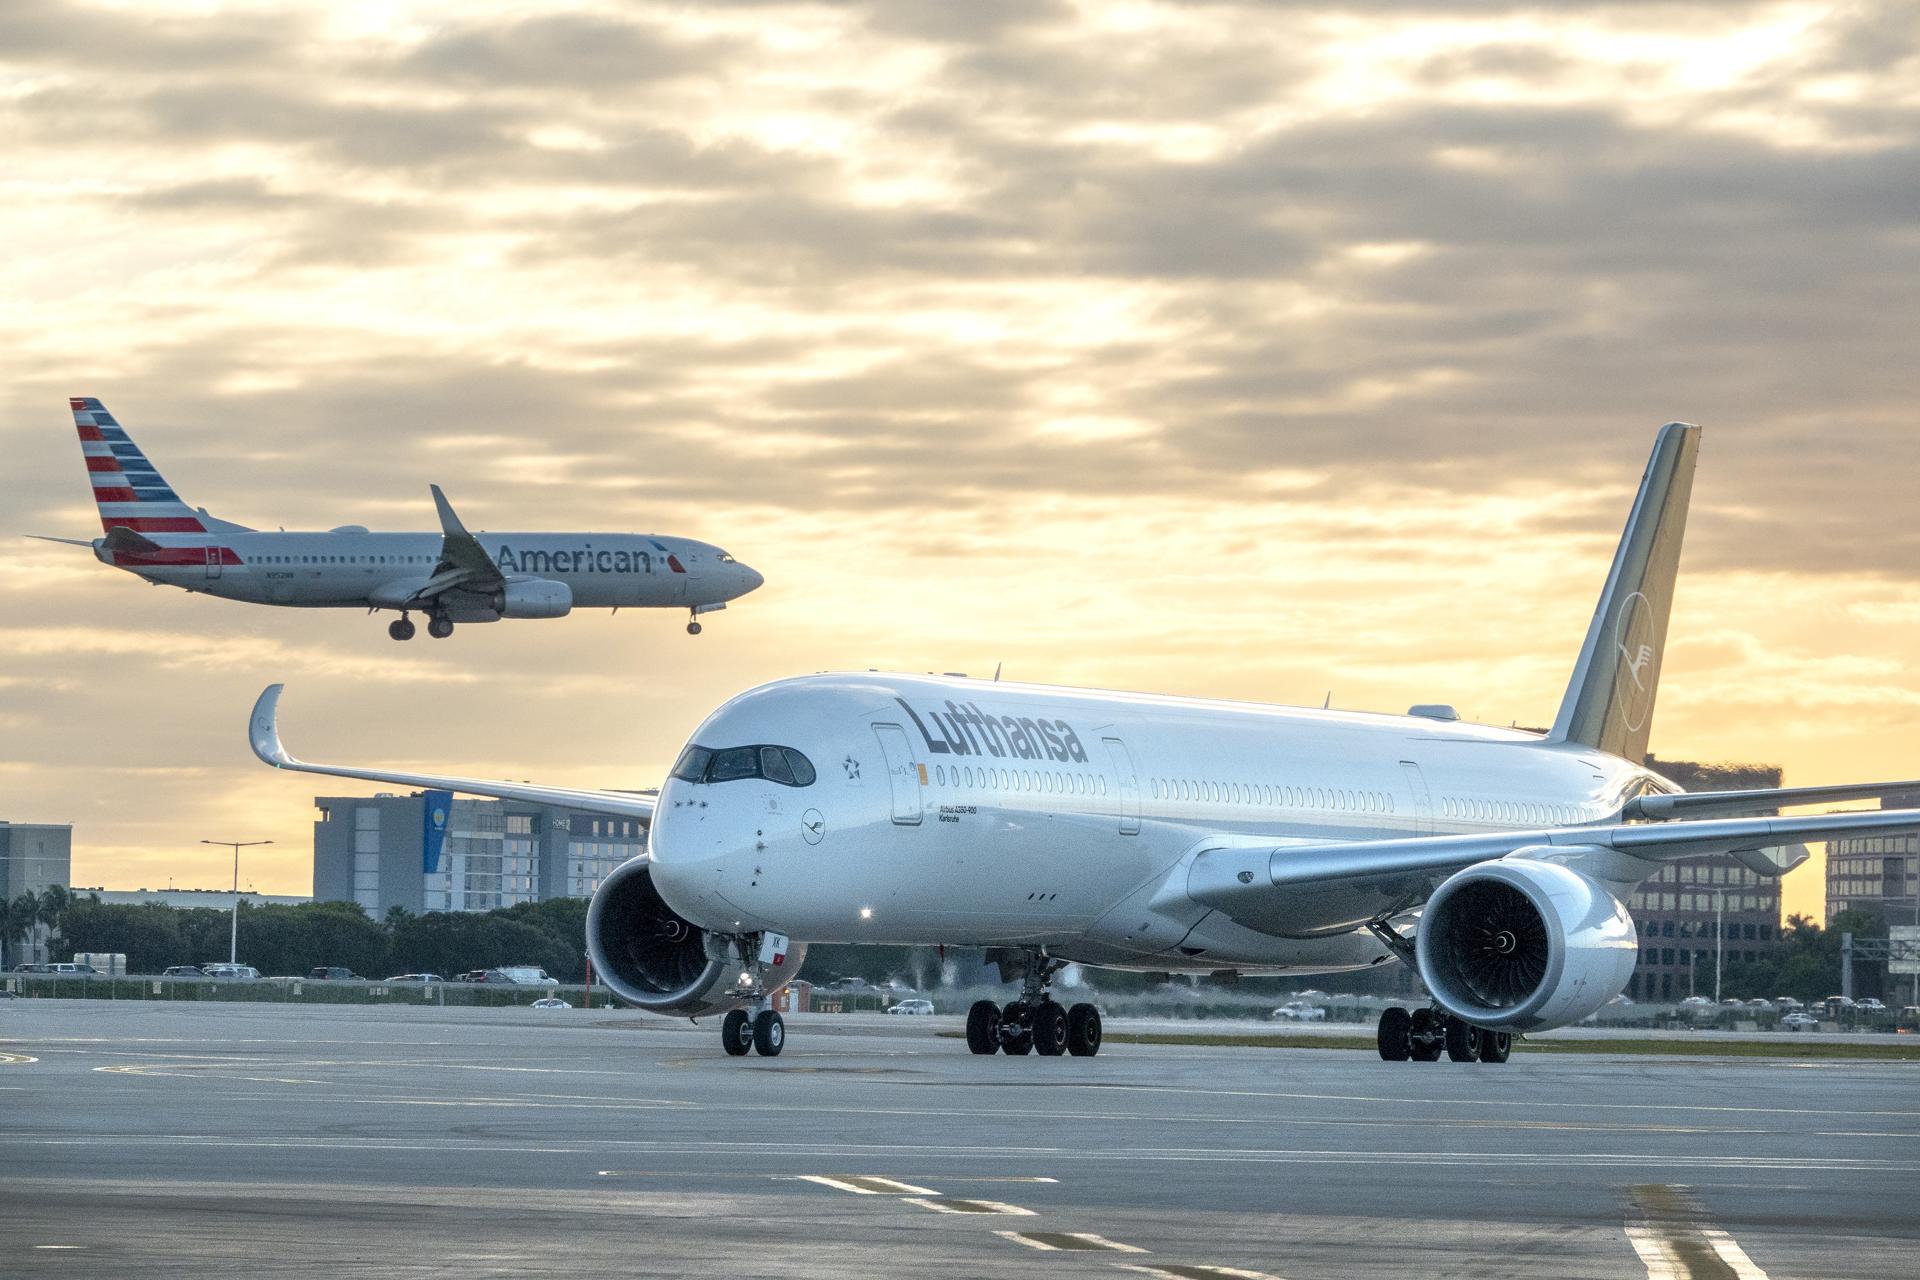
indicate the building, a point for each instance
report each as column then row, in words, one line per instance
column 1680, row 911
column 1876, row 874
column 428, row 851
column 34, row 856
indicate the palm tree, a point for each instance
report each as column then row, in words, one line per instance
column 54, row 901
column 6, row 930
column 397, row 915
column 23, row 917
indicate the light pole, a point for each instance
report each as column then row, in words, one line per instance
column 233, row 941
column 1719, row 933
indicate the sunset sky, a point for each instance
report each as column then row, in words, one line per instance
column 1259, row 351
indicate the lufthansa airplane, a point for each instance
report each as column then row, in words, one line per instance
column 1133, row 831
column 451, row 576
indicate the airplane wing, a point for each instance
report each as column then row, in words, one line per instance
column 1307, row 888
column 464, row 563
column 1719, row 804
column 264, row 736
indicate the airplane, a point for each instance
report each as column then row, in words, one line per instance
column 451, row 576
column 1177, row 835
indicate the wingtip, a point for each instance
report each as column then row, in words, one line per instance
column 263, row 728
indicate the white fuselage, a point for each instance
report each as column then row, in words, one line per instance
column 348, row 569
column 971, row 812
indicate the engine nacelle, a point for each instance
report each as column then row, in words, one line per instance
column 1520, row 945
column 653, row 958
column 533, row 598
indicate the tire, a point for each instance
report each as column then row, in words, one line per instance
column 1496, row 1046
column 1426, row 1041
column 736, row 1033
column 983, row 1027
column 693, row 628
column 1083, row 1031
column 769, row 1034
column 1463, row 1041
column 401, row 629
column 1016, row 1030
column 1049, row 1030
column 1395, row 1036
column 440, row 628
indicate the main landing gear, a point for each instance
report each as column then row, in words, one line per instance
column 1423, row 1034
column 762, row 1032
column 1035, row 1022
column 439, row 626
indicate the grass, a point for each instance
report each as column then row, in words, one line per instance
column 1907, row 1050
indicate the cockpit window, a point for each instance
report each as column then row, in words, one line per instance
column 783, row 765
column 725, row 558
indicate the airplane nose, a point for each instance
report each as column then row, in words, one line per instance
column 751, row 577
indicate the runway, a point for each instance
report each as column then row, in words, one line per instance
column 247, row 1140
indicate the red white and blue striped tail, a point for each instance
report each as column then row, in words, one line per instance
column 131, row 494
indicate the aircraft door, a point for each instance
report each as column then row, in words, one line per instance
column 903, row 773
column 213, row 562
column 1129, row 783
column 1422, row 798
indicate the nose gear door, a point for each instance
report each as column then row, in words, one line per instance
column 904, row 773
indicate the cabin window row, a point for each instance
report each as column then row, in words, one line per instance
column 1200, row 789
column 1476, row 809
column 1046, row 781
column 345, row 560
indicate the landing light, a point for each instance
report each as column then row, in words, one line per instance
column 866, row 913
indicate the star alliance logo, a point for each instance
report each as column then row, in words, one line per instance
column 852, row 767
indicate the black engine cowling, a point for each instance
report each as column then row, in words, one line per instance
column 654, row 959
column 1519, row 944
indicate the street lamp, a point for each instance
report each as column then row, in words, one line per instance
column 1719, row 934
column 233, row 941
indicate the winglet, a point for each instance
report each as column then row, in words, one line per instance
column 263, row 731
column 449, row 522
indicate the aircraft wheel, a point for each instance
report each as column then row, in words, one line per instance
column 693, row 628
column 983, row 1027
column 736, row 1033
column 1427, row 1042
column 769, row 1033
column 401, row 628
column 1496, row 1046
column 1463, row 1041
column 1395, row 1034
column 1083, row 1031
column 1016, row 1030
column 440, row 628
column 1050, row 1029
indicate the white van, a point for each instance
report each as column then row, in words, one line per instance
column 527, row 975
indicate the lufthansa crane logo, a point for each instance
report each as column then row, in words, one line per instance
column 1633, row 638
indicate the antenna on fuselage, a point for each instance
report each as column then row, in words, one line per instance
column 996, row 671
column 1327, row 703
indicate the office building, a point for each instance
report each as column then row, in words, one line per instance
column 429, row 851
column 1692, row 903
column 34, row 856
column 1876, row 874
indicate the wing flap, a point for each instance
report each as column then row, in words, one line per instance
column 264, row 737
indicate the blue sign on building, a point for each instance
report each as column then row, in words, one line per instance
column 438, row 807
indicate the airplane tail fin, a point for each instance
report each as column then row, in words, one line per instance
column 1609, row 702
column 130, row 493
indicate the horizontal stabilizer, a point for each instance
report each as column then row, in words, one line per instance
column 121, row 538
column 1723, row 804
column 264, row 737
column 70, row 542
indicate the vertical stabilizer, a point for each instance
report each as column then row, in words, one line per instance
column 130, row 493
column 1609, row 702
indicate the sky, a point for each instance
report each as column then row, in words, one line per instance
column 1278, row 352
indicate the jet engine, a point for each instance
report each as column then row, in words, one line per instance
column 653, row 958
column 533, row 598
column 1518, row 944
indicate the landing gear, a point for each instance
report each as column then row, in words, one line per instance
column 1424, row 1034
column 736, row 1033
column 401, row 628
column 693, row 622
column 769, row 1033
column 693, row 628
column 1035, row 1023
column 440, row 626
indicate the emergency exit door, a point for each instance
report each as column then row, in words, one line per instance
column 903, row 773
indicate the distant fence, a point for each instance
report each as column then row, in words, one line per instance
column 290, row 991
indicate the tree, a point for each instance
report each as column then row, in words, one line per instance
column 25, row 917
column 54, row 901
column 396, row 916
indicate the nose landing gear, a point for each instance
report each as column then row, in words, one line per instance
column 1035, row 1023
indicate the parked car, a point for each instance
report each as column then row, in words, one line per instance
column 1870, row 1005
column 30, row 967
column 1696, row 1002
column 1799, row 1021
column 1787, row 1002
column 245, row 972
column 492, row 977
column 1759, row 1002
column 69, row 970
column 414, row 977
column 550, row 1002
column 526, row 975
column 182, row 971
column 912, row 1007
column 1622, row 999
column 332, row 973
column 1299, row 1011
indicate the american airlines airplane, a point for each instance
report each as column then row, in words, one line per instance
column 451, row 576
column 1133, row 831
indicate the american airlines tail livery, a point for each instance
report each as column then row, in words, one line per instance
column 1132, row 831
column 451, row 576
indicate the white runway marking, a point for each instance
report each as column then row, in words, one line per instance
column 1068, row 1241
column 970, row 1206
column 1732, row 1254
column 1179, row 1272
column 1675, row 1243
column 867, row 1185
